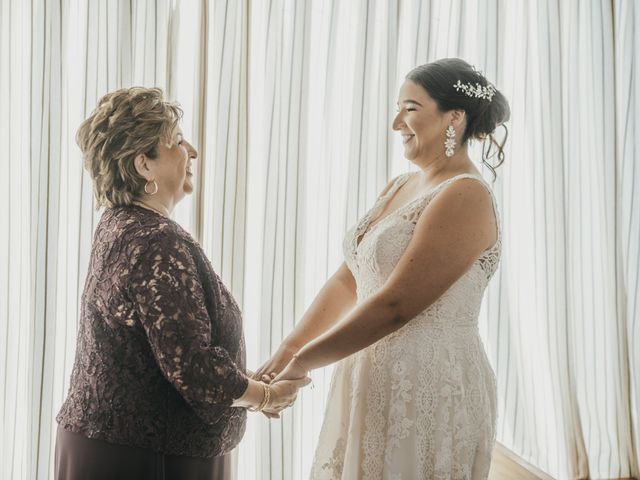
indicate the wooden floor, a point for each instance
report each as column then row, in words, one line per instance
column 506, row 465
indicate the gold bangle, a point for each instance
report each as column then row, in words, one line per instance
column 266, row 396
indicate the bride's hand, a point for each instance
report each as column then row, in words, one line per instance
column 293, row 370
column 272, row 367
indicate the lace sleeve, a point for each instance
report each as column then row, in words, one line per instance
column 170, row 300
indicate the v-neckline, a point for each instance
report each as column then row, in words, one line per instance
column 371, row 224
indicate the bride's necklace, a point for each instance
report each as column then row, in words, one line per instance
column 149, row 207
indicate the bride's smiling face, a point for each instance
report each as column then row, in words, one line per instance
column 420, row 122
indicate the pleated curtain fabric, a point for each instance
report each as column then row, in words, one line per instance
column 290, row 104
column 278, row 96
column 16, row 262
column 562, row 357
column 220, row 118
column 57, row 59
column 626, row 28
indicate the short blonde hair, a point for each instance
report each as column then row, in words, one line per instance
column 126, row 123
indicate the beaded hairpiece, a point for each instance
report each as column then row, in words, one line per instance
column 477, row 91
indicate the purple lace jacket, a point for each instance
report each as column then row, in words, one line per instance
column 160, row 350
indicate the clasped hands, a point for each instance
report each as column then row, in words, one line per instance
column 285, row 376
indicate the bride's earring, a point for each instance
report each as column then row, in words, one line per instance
column 450, row 142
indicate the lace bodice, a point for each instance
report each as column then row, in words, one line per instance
column 371, row 253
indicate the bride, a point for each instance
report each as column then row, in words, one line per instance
column 413, row 395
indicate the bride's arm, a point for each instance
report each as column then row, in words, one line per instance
column 336, row 298
column 452, row 232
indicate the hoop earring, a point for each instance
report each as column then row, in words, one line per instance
column 450, row 142
column 155, row 190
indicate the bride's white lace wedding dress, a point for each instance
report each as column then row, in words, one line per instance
column 421, row 402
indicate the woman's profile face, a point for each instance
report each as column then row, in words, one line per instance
column 420, row 122
column 173, row 167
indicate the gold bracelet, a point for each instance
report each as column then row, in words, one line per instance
column 266, row 396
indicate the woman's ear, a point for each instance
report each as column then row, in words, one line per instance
column 458, row 118
column 143, row 167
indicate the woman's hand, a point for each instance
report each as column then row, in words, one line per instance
column 276, row 363
column 283, row 394
column 293, row 370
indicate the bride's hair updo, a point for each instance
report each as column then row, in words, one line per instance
column 486, row 107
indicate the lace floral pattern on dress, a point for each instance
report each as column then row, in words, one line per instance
column 160, row 352
column 423, row 400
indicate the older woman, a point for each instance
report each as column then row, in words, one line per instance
column 158, row 388
column 413, row 394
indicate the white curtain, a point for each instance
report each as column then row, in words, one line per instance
column 56, row 59
column 290, row 104
column 563, row 342
column 16, row 262
column 626, row 25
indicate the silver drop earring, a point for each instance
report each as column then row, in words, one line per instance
column 450, row 142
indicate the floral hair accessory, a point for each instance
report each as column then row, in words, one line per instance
column 477, row 91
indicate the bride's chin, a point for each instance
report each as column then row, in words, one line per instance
column 409, row 154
